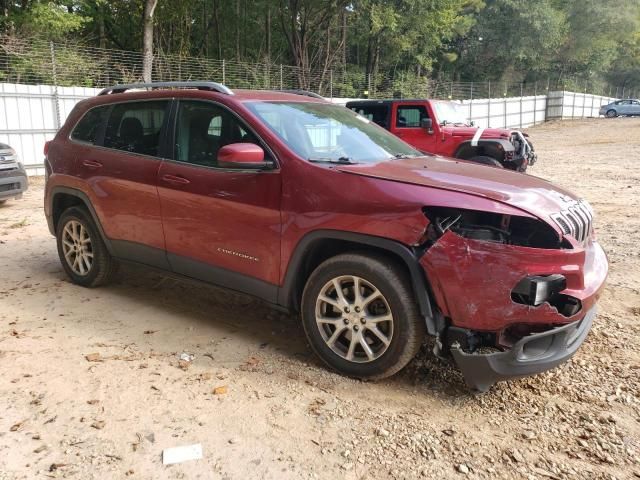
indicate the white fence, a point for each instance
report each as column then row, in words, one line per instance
column 30, row 115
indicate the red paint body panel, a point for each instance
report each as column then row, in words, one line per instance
column 241, row 153
column 530, row 194
column 123, row 189
column 222, row 218
column 475, row 279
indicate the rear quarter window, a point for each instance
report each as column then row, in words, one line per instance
column 88, row 128
column 376, row 113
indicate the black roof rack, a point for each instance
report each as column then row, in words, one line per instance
column 306, row 93
column 212, row 86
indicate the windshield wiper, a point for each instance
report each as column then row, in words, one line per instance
column 403, row 156
column 339, row 160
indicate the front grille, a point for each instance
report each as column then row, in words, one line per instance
column 7, row 187
column 576, row 220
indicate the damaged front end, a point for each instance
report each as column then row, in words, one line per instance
column 518, row 297
column 524, row 153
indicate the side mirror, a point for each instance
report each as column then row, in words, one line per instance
column 247, row 156
column 427, row 124
column 472, row 123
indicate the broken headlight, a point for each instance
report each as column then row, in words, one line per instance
column 490, row 227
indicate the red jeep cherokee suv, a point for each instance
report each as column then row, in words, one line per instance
column 317, row 210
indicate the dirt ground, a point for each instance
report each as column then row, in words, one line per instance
column 284, row 416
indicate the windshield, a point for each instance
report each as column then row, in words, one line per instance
column 449, row 112
column 323, row 132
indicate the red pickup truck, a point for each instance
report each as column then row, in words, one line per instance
column 442, row 127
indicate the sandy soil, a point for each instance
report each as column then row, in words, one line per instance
column 283, row 415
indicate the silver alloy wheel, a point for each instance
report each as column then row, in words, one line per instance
column 354, row 319
column 77, row 247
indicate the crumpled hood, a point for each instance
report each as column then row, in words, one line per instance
column 534, row 195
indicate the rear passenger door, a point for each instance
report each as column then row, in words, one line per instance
column 121, row 174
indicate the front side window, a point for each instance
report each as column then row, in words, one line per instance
column 135, row 127
column 378, row 114
column 202, row 129
column 325, row 132
column 410, row 116
column 88, row 128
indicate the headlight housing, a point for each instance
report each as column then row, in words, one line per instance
column 491, row 227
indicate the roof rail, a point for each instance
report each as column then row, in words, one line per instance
column 306, row 93
column 212, row 86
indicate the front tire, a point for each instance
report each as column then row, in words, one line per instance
column 611, row 113
column 485, row 160
column 82, row 252
column 360, row 315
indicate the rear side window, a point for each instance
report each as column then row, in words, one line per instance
column 376, row 113
column 88, row 128
column 135, row 127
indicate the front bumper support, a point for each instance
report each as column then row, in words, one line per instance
column 532, row 354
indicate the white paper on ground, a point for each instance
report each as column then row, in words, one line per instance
column 181, row 454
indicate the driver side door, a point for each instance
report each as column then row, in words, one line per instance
column 407, row 125
column 221, row 225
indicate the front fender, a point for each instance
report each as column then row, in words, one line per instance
column 490, row 147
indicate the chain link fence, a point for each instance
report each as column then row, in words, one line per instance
column 38, row 62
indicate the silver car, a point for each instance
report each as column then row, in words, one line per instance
column 629, row 106
column 13, row 177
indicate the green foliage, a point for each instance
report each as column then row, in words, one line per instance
column 50, row 20
column 389, row 46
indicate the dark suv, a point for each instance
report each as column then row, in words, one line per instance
column 317, row 210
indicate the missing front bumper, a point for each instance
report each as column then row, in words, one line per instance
column 532, row 354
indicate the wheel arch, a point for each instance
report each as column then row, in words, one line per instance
column 63, row 198
column 494, row 148
column 317, row 246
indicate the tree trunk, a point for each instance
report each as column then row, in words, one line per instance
column 268, row 32
column 238, row 30
column 216, row 16
column 102, row 34
column 147, row 42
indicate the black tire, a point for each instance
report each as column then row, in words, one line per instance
column 484, row 160
column 103, row 266
column 408, row 327
column 611, row 113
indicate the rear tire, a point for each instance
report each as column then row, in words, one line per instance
column 484, row 160
column 82, row 252
column 611, row 113
column 371, row 334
